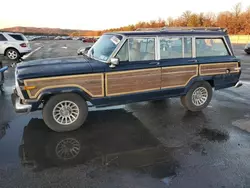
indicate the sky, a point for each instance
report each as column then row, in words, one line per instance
column 101, row 14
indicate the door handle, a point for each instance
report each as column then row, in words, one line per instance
column 154, row 63
column 193, row 60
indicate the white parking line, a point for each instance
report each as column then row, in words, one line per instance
column 29, row 54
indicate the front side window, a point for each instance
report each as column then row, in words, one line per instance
column 206, row 47
column 104, row 47
column 171, row 47
column 141, row 49
column 122, row 55
column 2, row 38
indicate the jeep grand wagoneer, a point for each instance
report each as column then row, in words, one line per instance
column 127, row 67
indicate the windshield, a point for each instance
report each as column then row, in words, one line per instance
column 104, row 47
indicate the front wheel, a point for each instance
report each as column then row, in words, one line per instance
column 198, row 97
column 65, row 112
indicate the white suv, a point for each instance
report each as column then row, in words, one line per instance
column 14, row 45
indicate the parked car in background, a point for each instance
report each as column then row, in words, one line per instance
column 247, row 48
column 83, row 50
column 58, row 38
column 90, row 40
column 80, row 38
column 14, row 45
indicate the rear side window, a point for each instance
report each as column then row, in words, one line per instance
column 17, row 37
column 171, row 47
column 206, row 47
column 188, row 47
column 175, row 47
column 2, row 38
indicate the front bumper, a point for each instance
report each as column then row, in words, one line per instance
column 18, row 106
column 238, row 84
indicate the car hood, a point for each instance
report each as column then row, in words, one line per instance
column 58, row 67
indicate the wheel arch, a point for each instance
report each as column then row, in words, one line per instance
column 11, row 47
column 193, row 81
column 46, row 94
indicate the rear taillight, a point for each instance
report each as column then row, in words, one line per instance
column 23, row 45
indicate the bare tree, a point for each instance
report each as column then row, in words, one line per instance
column 186, row 17
column 237, row 9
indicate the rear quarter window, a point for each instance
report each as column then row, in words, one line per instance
column 17, row 37
column 207, row 47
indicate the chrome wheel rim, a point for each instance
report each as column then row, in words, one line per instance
column 66, row 112
column 68, row 148
column 12, row 54
column 199, row 96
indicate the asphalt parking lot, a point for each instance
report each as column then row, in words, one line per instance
column 147, row 144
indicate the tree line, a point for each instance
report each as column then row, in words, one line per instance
column 237, row 21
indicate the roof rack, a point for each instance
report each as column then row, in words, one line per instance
column 195, row 28
column 148, row 29
column 184, row 28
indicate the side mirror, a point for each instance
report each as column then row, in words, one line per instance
column 86, row 49
column 114, row 62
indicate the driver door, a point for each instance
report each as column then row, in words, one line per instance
column 138, row 71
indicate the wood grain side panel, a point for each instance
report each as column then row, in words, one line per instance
column 218, row 68
column 93, row 84
column 126, row 82
column 178, row 76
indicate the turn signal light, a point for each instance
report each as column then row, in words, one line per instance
column 29, row 87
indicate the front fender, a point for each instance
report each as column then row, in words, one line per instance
column 55, row 91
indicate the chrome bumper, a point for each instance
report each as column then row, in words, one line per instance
column 19, row 107
column 238, row 84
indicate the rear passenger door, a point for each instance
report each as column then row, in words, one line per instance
column 177, row 61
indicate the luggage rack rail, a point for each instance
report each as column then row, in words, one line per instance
column 184, row 28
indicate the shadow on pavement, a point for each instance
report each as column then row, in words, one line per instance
column 113, row 138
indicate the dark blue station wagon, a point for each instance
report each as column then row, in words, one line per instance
column 126, row 67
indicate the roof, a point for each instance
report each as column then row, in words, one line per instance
column 176, row 31
column 5, row 32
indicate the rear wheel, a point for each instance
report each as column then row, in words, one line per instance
column 12, row 54
column 198, row 97
column 65, row 112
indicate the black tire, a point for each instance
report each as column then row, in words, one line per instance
column 14, row 51
column 53, row 101
column 183, row 101
column 189, row 103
